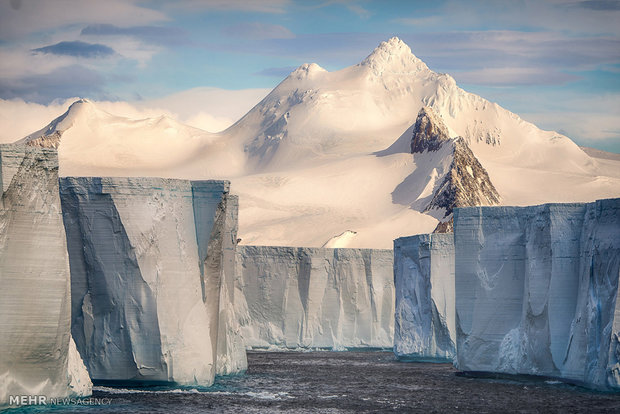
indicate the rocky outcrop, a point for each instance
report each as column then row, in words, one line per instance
column 37, row 353
column 429, row 132
column 466, row 184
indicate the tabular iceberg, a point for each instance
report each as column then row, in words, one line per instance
column 231, row 356
column 424, row 325
column 37, row 354
column 314, row 297
column 146, row 259
column 536, row 291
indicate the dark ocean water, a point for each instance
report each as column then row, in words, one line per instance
column 347, row 382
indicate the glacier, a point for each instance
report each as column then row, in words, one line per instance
column 298, row 297
column 536, row 291
column 425, row 326
column 147, row 259
column 37, row 354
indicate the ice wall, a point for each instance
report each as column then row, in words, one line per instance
column 146, row 259
column 311, row 297
column 424, row 326
column 231, row 356
column 37, row 354
column 536, row 291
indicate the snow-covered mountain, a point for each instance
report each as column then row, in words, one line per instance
column 327, row 154
column 91, row 141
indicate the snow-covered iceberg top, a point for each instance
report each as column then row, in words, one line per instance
column 536, row 291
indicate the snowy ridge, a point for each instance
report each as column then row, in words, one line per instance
column 326, row 152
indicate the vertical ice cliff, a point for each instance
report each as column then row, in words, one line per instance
column 37, row 354
column 424, row 325
column 536, row 291
column 231, row 357
column 318, row 298
column 146, row 260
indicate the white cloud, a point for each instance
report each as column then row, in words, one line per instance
column 589, row 119
column 260, row 6
column 19, row 118
column 40, row 15
column 550, row 15
column 221, row 104
column 210, row 109
column 209, row 122
column 512, row 76
column 419, row 21
column 260, row 31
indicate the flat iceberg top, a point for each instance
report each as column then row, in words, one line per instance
column 134, row 185
column 501, row 211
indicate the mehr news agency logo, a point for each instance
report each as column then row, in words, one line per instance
column 21, row 400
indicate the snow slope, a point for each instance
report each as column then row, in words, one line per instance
column 329, row 152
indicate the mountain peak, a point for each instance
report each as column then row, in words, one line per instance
column 394, row 56
column 394, row 46
column 49, row 136
column 307, row 71
column 429, row 132
column 80, row 107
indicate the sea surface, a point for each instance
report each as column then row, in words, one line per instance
column 346, row 382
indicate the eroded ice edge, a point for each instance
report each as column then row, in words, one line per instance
column 536, row 291
column 424, row 325
column 299, row 298
column 148, row 257
column 37, row 354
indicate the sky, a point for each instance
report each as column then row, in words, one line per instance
column 555, row 63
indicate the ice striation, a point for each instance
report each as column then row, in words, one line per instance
column 147, row 261
column 536, row 291
column 231, row 356
column 315, row 297
column 424, row 327
column 37, row 354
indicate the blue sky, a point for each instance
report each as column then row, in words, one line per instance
column 555, row 63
